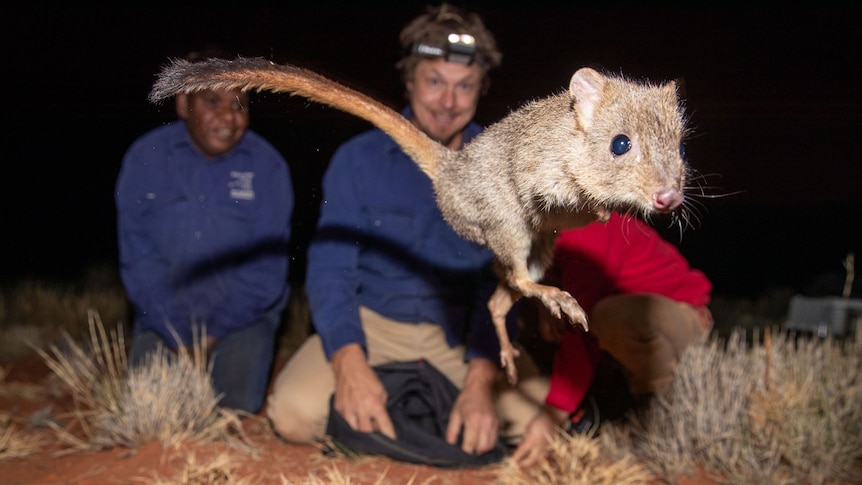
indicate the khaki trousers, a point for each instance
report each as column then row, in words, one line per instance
column 298, row 406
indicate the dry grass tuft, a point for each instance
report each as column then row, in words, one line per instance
column 334, row 476
column 16, row 442
column 169, row 399
column 581, row 460
column 760, row 413
column 219, row 470
column 775, row 412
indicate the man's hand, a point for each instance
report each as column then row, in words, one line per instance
column 359, row 395
column 474, row 410
column 537, row 437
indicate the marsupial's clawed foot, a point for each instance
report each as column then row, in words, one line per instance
column 499, row 305
column 560, row 303
column 507, row 352
column 507, row 361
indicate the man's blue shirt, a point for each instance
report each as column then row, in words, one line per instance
column 382, row 243
column 203, row 242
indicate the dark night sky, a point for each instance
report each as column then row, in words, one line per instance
column 773, row 94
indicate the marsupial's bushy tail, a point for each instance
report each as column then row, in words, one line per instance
column 256, row 73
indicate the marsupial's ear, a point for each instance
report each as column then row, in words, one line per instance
column 586, row 88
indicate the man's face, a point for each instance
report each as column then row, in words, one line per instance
column 444, row 96
column 216, row 120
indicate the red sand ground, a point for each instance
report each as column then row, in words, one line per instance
column 274, row 461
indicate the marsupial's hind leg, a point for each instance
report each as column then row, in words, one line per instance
column 505, row 296
column 499, row 305
column 516, row 281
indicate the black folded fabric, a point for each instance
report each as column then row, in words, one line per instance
column 420, row 400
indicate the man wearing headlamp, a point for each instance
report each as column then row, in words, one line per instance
column 445, row 71
column 388, row 279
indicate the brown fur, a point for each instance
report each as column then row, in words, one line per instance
column 544, row 167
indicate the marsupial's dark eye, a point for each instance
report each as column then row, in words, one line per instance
column 620, row 144
column 682, row 150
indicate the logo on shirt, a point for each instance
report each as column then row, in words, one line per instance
column 240, row 185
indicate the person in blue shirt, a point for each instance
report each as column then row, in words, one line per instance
column 204, row 206
column 387, row 278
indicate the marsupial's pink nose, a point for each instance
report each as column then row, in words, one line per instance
column 666, row 200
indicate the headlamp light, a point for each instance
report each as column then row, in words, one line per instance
column 460, row 48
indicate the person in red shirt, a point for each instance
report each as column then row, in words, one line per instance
column 645, row 305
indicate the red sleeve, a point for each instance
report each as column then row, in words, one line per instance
column 650, row 264
column 574, row 366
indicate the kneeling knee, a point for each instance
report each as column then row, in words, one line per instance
column 294, row 424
